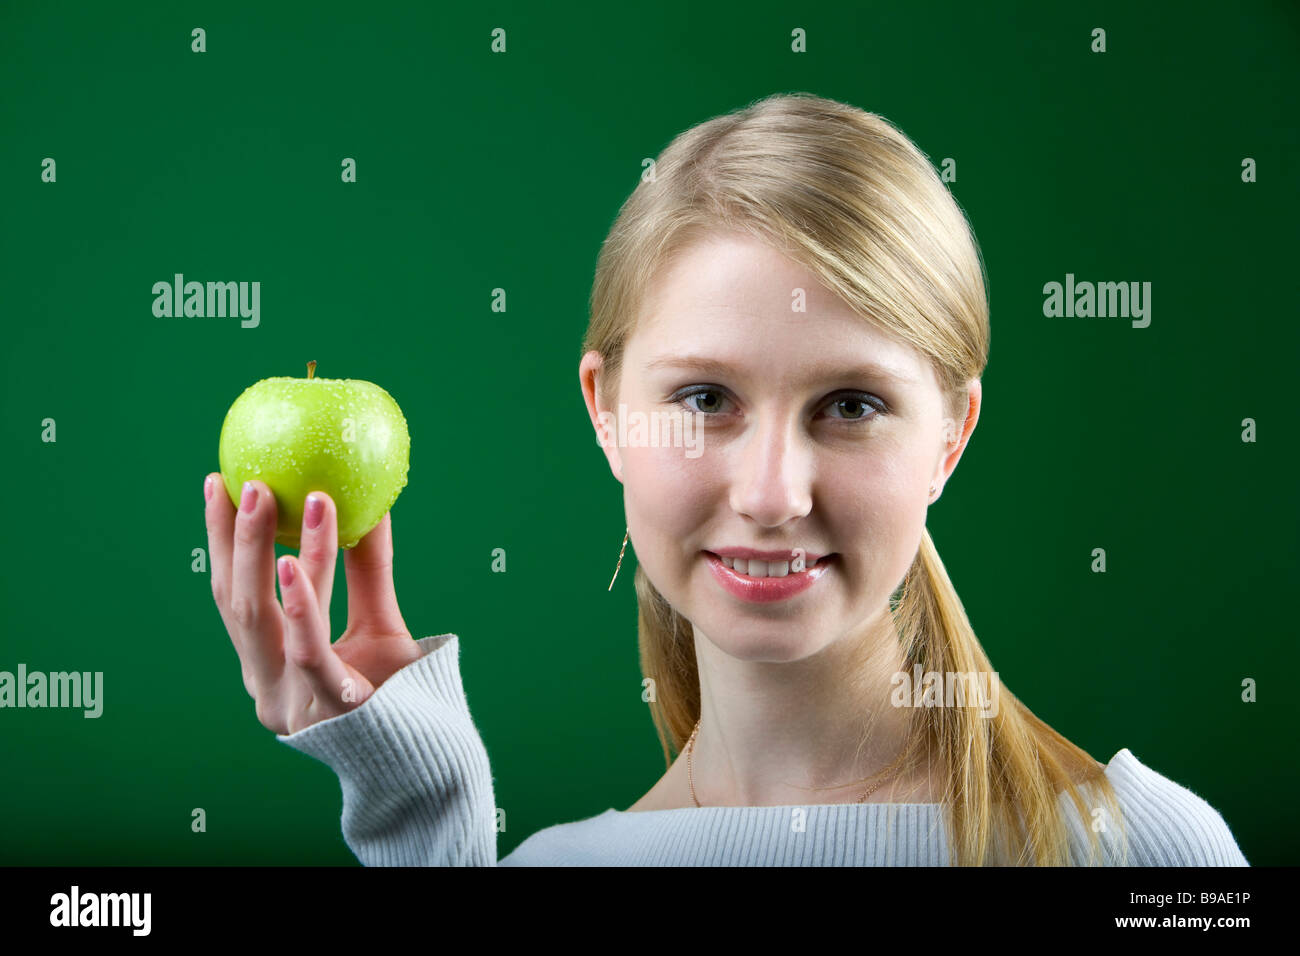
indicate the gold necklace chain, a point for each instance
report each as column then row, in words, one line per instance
column 690, row 777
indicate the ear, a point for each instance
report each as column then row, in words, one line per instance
column 603, row 420
column 955, row 437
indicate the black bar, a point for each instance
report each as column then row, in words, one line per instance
column 946, row 906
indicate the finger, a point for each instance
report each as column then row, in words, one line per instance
column 372, row 602
column 307, row 637
column 219, row 515
column 252, row 583
column 319, row 547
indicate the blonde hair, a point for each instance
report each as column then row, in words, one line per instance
column 847, row 195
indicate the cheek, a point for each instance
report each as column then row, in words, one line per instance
column 667, row 494
column 878, row 515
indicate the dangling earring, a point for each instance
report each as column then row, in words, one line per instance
column 620, row 562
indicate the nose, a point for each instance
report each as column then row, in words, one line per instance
column 772, row 481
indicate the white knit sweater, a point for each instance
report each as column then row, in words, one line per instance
column 417, row 790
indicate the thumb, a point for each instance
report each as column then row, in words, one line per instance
column 372, row 601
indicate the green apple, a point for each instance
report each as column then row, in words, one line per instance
column 345, row 437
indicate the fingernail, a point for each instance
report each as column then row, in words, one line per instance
column 285, row 565
column 207, row 488
column 248, row 498
column 315, row 508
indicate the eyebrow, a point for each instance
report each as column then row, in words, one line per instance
column 820, row 372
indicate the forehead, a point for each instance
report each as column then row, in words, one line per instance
column 738, row 300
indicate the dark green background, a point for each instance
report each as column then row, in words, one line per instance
column 478, row 171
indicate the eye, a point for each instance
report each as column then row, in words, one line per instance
column 858, row 406
column 854, row 406
column 704, row 408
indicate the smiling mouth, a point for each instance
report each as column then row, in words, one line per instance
column 768, row 569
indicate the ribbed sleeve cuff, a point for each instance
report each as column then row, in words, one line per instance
column 417, row 785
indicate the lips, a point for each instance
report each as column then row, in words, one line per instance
column 765, row 590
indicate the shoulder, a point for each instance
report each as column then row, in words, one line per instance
column 588, row 842
column 1166, row 824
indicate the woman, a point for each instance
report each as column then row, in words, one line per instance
column 794, row 286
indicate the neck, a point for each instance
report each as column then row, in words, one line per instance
column 802, row 732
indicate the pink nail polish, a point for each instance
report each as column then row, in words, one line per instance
column 315, row 508
column 248, row 499
column 207, row 488
column 286, row 571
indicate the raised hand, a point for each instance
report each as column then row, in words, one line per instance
column 290, row 668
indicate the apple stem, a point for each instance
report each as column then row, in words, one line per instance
column 311, row 368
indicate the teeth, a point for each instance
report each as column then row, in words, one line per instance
column 758, row 569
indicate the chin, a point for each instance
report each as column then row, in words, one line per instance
column 771, row 642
